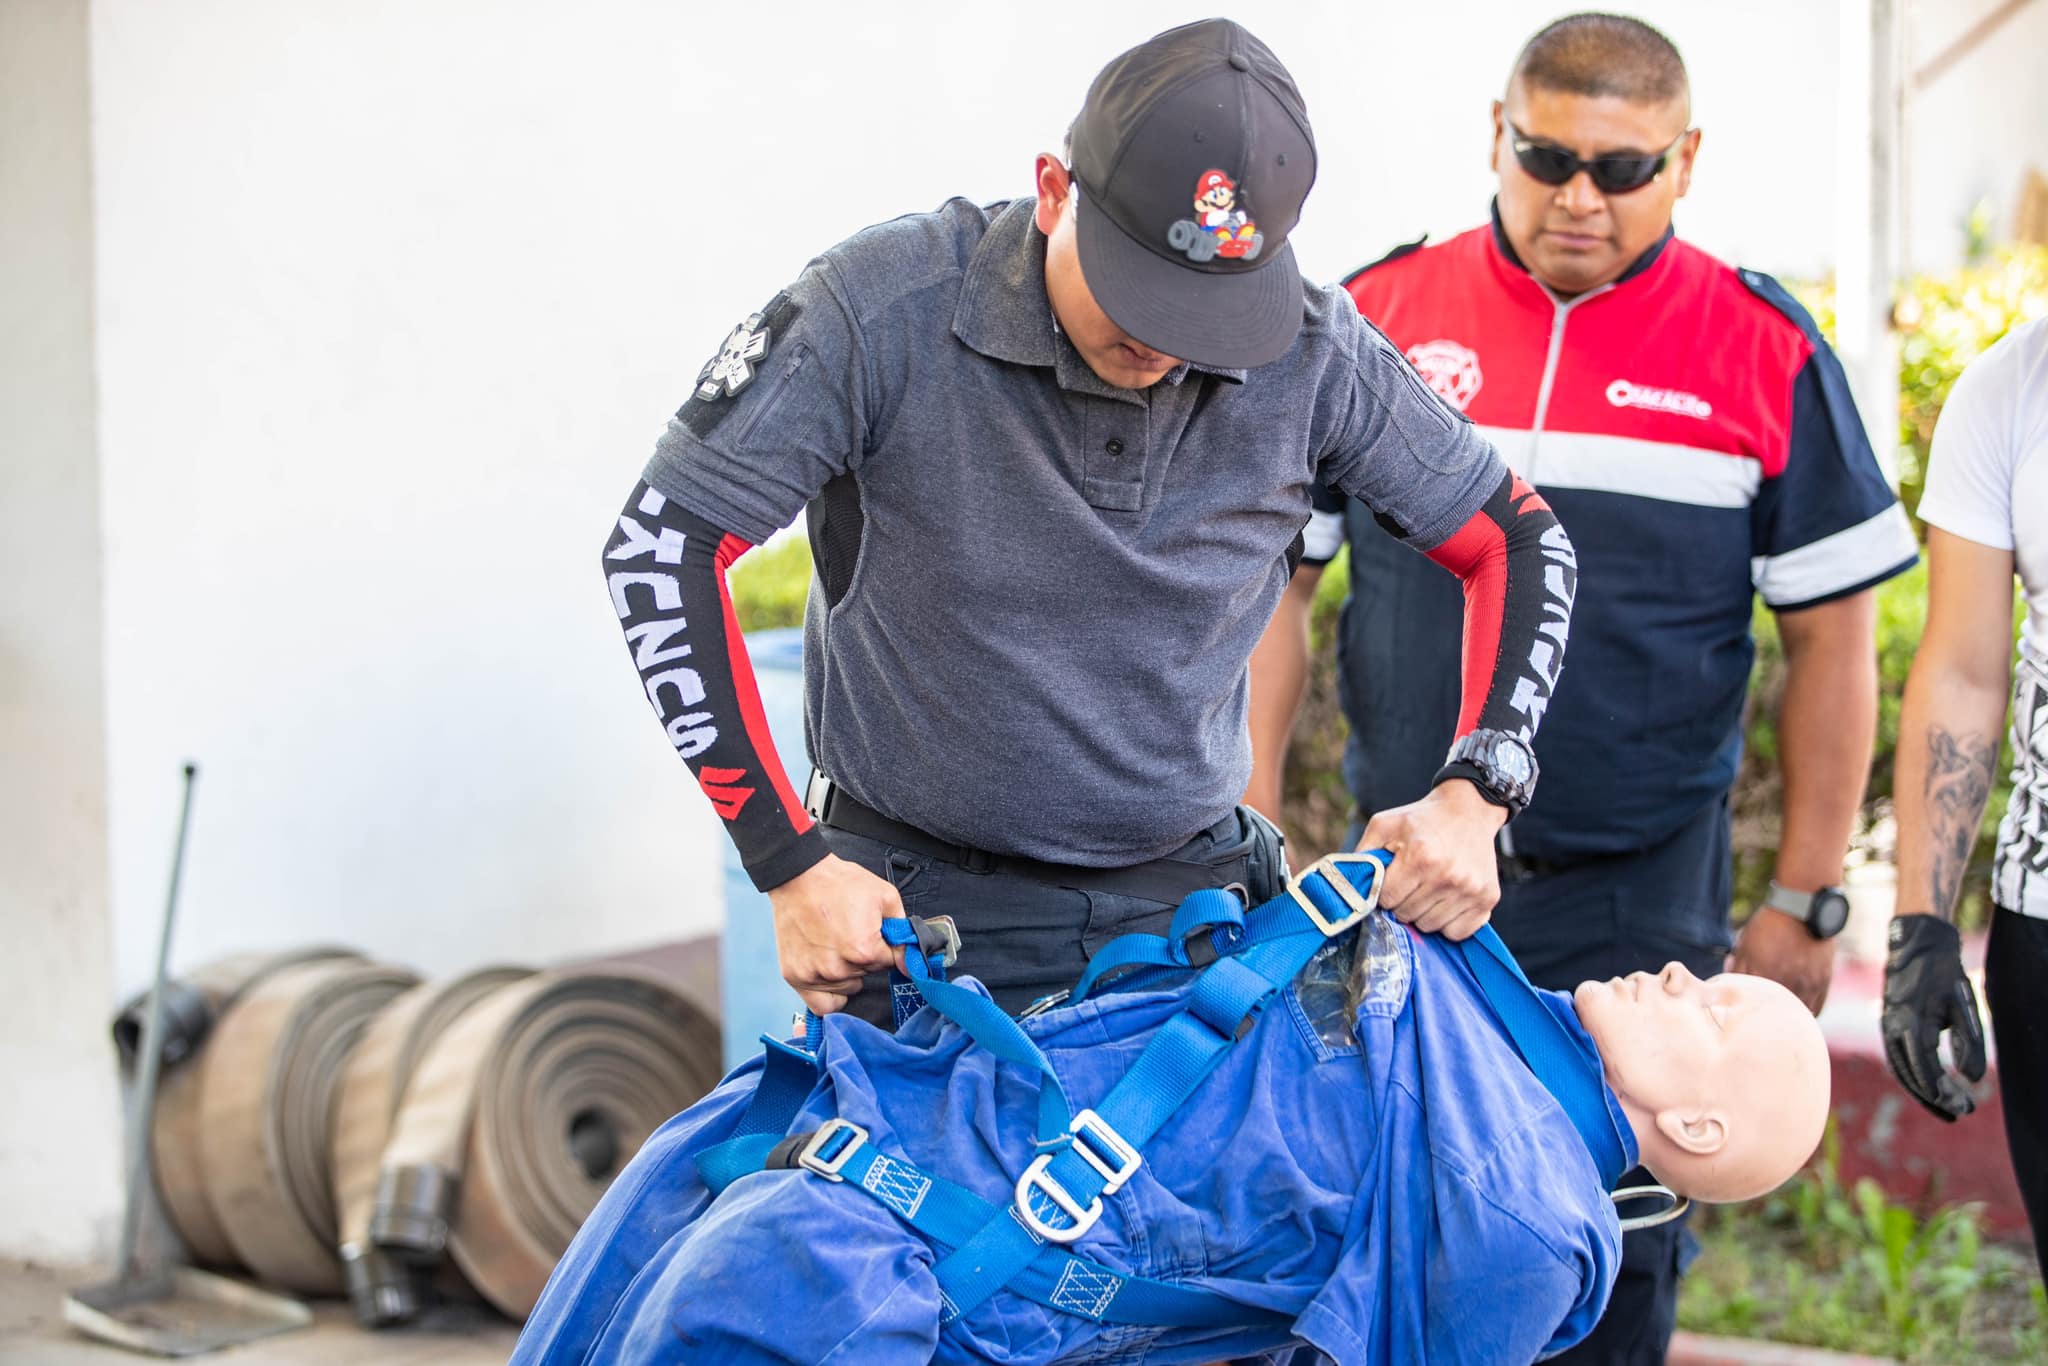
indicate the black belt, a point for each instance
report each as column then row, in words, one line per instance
column 1522, row 868
column 1167, row 880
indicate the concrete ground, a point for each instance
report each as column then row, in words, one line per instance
column 33, row 1333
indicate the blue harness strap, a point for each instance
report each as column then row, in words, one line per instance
column 1083, row 1157
column 1567, row 1067
column 1059, row 1196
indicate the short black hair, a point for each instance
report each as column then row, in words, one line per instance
column 1603, row 54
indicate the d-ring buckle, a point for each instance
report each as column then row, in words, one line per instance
column 1036, row 1177
column 1360, row 904
column 1679, row 1205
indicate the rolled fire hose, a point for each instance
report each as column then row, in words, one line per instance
column 523, row 1110
column 269, row 1081
column 193, row 1003
column 385, row 1288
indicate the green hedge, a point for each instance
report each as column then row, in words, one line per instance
column 769, row 585
column 1944, row 323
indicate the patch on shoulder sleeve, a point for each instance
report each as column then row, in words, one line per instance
column 737, row 362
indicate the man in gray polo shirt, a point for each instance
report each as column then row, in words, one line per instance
column 1057, row 455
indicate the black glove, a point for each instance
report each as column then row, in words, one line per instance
column 1925, row 993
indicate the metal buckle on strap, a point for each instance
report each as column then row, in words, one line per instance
column 1118, row 1161
column 1676, row 1205
column 1045, row 1003
column 1035, row 1177
column 1361, row 904
column 1102, row 1148
column 938, row 938
column 813, row 1158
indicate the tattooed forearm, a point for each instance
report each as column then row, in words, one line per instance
column 1958, row 784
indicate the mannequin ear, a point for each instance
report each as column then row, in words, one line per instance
column 1701, row 1134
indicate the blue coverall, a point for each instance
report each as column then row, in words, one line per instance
column 1394, row 1181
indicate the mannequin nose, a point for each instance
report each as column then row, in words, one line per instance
column 1676, row 978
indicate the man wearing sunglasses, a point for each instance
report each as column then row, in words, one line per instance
column 1697, row 440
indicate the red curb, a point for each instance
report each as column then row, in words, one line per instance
column 1691, row 1349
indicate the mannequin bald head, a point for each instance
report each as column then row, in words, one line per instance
column 1725, row 1081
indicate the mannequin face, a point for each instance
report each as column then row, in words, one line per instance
column 1725, row 1081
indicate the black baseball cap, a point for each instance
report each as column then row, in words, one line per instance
column 1193, row 154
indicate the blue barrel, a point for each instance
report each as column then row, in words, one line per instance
column 755, row 998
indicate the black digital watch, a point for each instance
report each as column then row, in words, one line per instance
column 1501, row 765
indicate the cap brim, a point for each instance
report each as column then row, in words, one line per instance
column 1232, row 321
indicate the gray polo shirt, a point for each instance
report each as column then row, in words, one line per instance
column 1038, row 642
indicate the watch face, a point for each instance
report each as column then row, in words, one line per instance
column 1828, row 913
column 1511, row 757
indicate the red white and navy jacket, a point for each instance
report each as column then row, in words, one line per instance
column 1696, row 438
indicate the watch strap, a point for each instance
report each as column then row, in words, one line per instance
column 1794, row 904
column 1479, row 778
column 1477, row 756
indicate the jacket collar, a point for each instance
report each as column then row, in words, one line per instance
column 1635, row 267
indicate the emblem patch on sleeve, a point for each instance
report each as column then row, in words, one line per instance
column 737, row 363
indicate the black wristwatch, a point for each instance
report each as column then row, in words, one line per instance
column 1500, row 765
column 1824, row 911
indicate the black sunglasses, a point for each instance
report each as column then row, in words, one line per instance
column 1617, row 173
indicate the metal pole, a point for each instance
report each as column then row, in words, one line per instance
column 152, row 1049
column 1867, row 216
column 1881, row 377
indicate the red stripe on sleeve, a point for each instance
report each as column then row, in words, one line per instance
column 1478, row 553
column 752, row 715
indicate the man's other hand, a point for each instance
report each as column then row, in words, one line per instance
column 1774, row 945
column 1443, row 879
column 1926, row 993
column 828, row 930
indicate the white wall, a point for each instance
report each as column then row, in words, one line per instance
column 1970, row 135
column 59, row 1126
column 381, row 357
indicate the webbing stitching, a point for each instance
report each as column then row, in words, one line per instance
column 1082, row 1289
column 900, row 1189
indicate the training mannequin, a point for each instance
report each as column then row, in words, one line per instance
column 1372, row 1165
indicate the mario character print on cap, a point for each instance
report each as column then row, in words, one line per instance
column 1221, row 225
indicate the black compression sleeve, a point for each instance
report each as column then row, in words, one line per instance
column 666, row 571
column 1521, row 575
